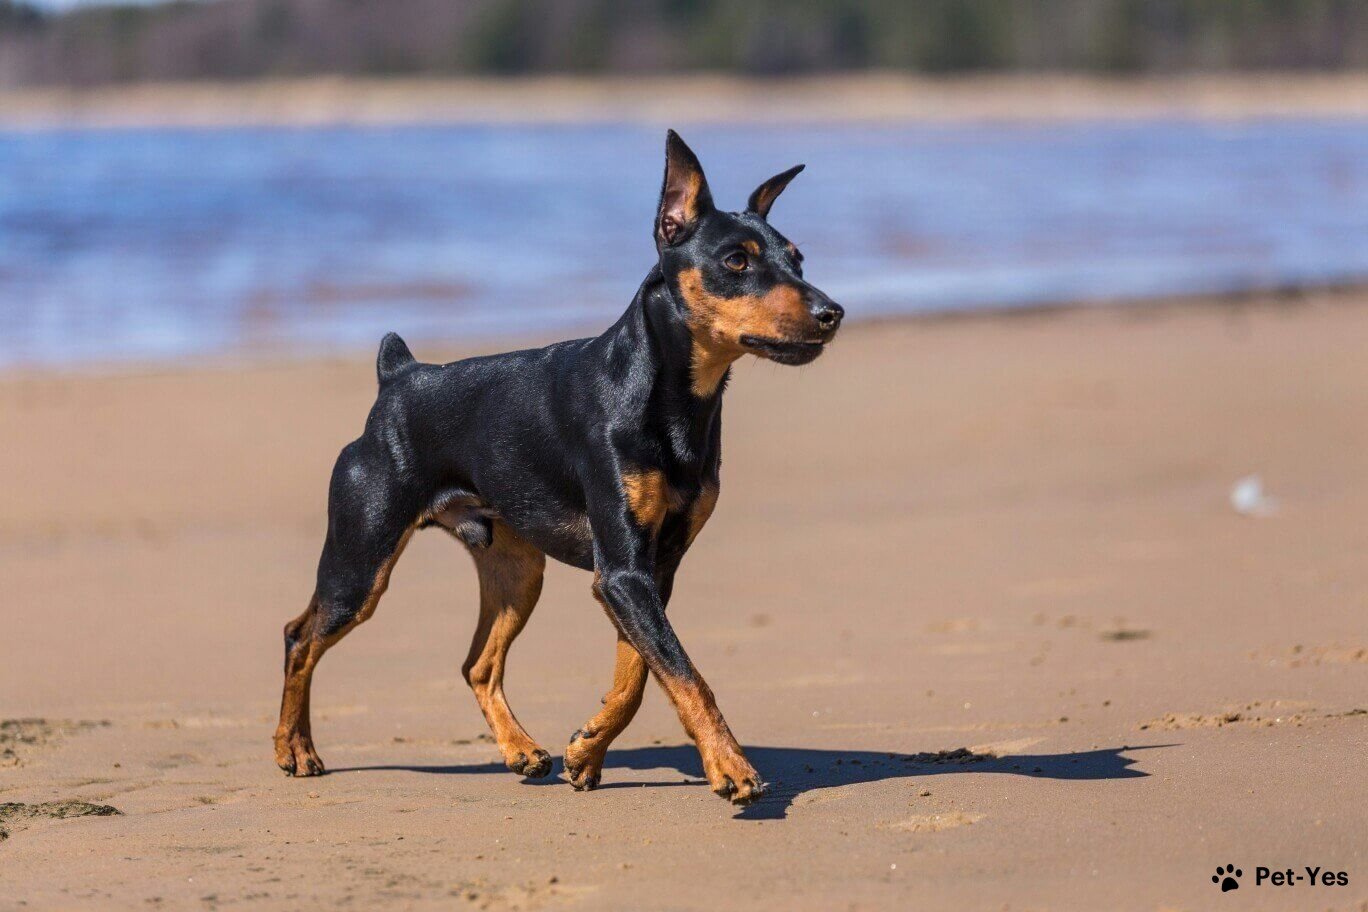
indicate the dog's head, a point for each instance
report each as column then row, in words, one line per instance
column 738, row 280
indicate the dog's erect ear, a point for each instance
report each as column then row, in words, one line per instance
column 684, row 196
column 765, row 194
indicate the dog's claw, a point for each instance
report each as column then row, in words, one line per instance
column 742, row 785
column 752, row 791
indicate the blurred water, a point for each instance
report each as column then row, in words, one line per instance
column 136, row 244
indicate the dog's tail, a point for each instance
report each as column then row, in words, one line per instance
column 394, row 359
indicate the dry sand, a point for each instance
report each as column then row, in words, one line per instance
column 829, row 99
column 974, row 598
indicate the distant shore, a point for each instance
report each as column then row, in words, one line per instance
column 865, row 98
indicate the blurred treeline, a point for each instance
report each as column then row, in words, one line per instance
column 239, row 39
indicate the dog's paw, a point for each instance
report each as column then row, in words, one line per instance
column 750, row 790
column 732, row 777
column 583, row 761
column 295, row 755
column 534, row 766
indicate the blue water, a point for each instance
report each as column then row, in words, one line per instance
column 138, row 244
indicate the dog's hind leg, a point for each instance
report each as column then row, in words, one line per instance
column 368, row 528
column 510, row 573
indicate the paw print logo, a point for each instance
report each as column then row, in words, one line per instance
column 1227, row 877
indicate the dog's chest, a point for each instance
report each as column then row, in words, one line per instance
column 688, row 512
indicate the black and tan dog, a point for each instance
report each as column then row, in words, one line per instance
column 602, row 453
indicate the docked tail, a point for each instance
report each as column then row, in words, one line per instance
column 394, row 358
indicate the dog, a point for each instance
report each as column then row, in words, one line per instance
column 601, row 453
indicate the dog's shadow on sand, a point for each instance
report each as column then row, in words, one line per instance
column 793, row 771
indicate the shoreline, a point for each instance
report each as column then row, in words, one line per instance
column 867, row 98
column 280, row 355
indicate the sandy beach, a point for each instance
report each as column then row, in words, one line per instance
column 974, row 598
column 868, row 98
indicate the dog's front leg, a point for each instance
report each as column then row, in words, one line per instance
column 625, row 582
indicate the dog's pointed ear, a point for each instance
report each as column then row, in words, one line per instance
column 765, row 194
column 684, row 195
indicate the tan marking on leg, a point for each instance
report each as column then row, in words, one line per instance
column 380, row 585
column 729, row 772
column 510, row 573
column 588, row 746
column 294, row 749
column 649, row 497
column 701, row 509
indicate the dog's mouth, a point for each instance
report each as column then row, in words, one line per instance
column 782, row 351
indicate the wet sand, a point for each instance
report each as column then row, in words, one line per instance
column 687, row 99
column 974, row 598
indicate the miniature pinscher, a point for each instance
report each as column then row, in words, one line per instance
column 602, row 453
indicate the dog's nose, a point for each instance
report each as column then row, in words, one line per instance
column 828, row 314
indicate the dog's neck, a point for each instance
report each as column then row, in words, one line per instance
column 655, row 335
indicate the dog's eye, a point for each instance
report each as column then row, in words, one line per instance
column 736, row 261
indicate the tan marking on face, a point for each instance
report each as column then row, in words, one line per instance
column 649, row 497
column 701, row 509
column 717, row 325
column 751, row 247
column 708, row 366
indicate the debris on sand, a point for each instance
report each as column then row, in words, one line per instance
column 18, row 734
column 1174, row 721
column 57, row 810
column 1300, row 655
column 1124, row 634
column 1259, row 713
column 958, row 755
